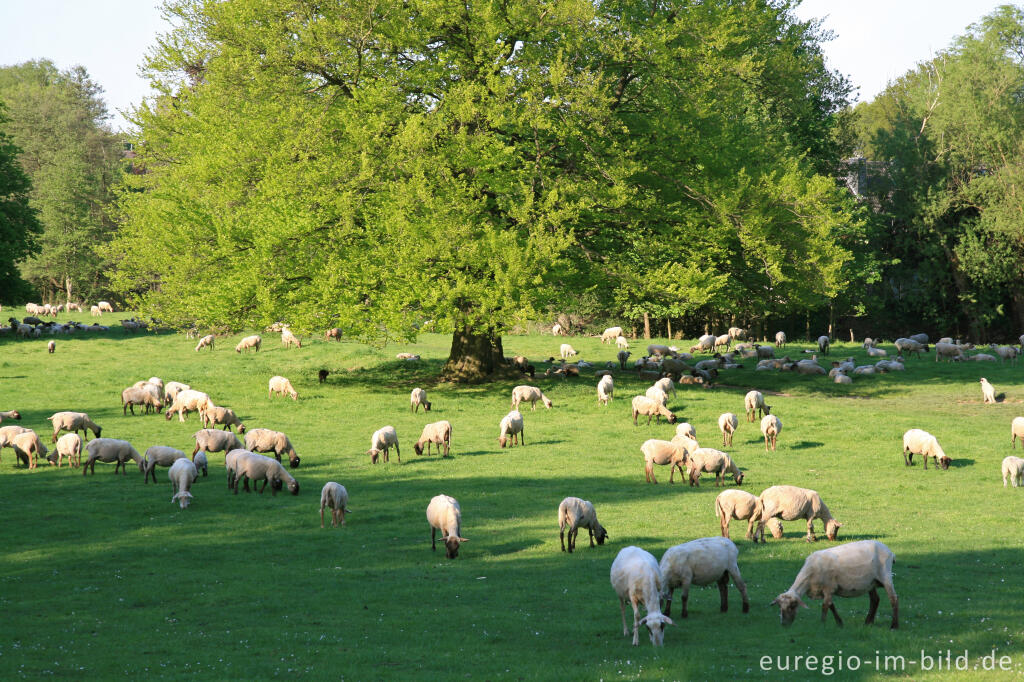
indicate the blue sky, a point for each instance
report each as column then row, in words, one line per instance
column 876, row 40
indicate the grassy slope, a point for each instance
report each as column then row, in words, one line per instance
column 103, row 577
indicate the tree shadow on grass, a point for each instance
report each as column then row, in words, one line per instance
column 806, row 444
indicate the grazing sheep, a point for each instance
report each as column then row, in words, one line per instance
column 146, row 395
column 334, row 496
column 920, row 338
column 201, row 463
column 531, row 394
column 623, row 356
column 417, row 398
column 7, row 434
column 69, row 445
column 1013, row 468
column 253, row 341
column 412, row 357
column 727, row 423
column 51, row 346
column 655, row 393
column 610, row 334
column 163, row 456
column 753, row 402
column 736, row 333
column 636, row 577
column 1004, row 352
column 988, row 392
column 702, row 562
column 182, row 475
column 444, row 514
column 918, row 442
column 576, row 513
column 512, row 429
column 381, row 442
column 662, row 452
column 10, row 414
column 666, row 384
column 172, row 389
column 621, row 343
column 911, row 346
column 642, row 405
column 205, row 342
column 265, row 440
column 28, row 448
column 771, row 427
column 686, row 430
column 948, row 351
column 221, row 416
column 231, row 460
column 333, row 333
column 188, row 401
column 606, row 389
column 74, row 422
column 789, row 503
column 738, row 504
column 723, row 341
column 780, row 339
column 281, row 385
column 1017, row 431
column 566, row 351
column 214, row 440
column 704, row 343
column 105, row 307
column 112, row 450
column 438, row 433
column 714, row 462
column 289, row 339
column 848, row 570
column 256, row 468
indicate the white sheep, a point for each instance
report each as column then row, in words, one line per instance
column 662, row 452
column 215, row 440
column 28, row 448
column 666, row 384
column 205, row 342
column 253, row 341
column 439, row 434
column 737, row 333
column 161, row 455
column 823, row 344
column 948, row 351
column 1005, row 353
column 575, row 513
column 727, row 423
column 255, row 468
column 10, row 414
column 780, row 339
column 444, row 514
column 981, row 357
column 637, row 578
column 416, row 398
column 723, row 341
column 657, row 394
column 188, row 401
column 789, row 503
column 918, row 442
column 232, row 458
column 879, row 352
column 771, row 427
column 512, row 429
column 714, row 462
column 556, row 329
column 69, row 445
column 642, row 405
column 1017, row 431
column 182, row 475
column 334, row 496
column 848, row 570
column 911, row 345
column 988, row 392
column 606, row 389
column 621, row 343
column 104, row 306
column 95, row 311
column 686, row 430
column 610, row 334
column 112, row 450
column 214, row 415
column 566, row 351
column 702, row 562
column 289, row 339
column 1013, row 468
column 279, row 384
column 51, row 346
column 74, row 422
column 530, row 394
column 842, row 378
column 704, row 343
column 381, row 442
column 753, row 402
column 143, row 393
column 266, row 440
column 738, row 504
column 199, row 459
column 172, row 389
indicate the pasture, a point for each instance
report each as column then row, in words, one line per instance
column 102, row 577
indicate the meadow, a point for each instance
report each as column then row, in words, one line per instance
column 102, row 577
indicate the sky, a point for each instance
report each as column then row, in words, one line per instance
column 876, row 40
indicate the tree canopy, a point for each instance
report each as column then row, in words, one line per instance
column 19, row 224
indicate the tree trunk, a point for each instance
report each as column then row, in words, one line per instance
column 668, row 326
column 647, row 326
column 67, row 288
column 475, row 356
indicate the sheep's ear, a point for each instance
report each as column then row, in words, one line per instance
column 801, row 603
column 463, row 539
column 774, row 602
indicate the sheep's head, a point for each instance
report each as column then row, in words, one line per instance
column 832, row 529
column 600, row 534
column 671, row 418
column 417, row 448
column 503, row 440
column 15, row 414
column 655, row 624
column 944, row 462
column 776, row 528
column 183, row 498
column 167, row 414
column 739, row 478
column 547, row 402
column 451, row 545
column 293, row 460
column 426, row 406
column 788, row 603
column 293, row 487
column 374, row 454
column 241, row 427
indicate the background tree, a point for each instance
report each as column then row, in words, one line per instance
column 18, row 222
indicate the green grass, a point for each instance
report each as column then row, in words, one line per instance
column 102, row 577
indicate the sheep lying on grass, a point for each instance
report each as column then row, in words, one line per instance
column 789, row 503
column 444, row 514
column 575, row 513
column 182, row 475
column 738, row 504
column 334, row 496
column 702, row 562
column 437, row 433
column 637, row 578
column 112, row 450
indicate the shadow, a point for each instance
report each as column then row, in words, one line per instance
column 961, row 462
column 805, row 444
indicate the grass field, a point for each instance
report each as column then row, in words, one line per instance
column 102, row 577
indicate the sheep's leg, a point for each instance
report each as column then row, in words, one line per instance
column 433, row 547
column 636, row 621
column 622, row 610
column 668, row 602
column 810, row 530
column 561, row 536
column 591, row 531
column 265, row 481
column 321, row 516
column 723, row 591
column 572, row 538
column 872, row 607
column 831, row 605
column 737, row 580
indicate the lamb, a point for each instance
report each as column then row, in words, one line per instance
column 1017, row 431
column 621, row 343
column 172, row 389
column 75, row 422
column 69, row 445
column 253, row 341
column 417, row 398
column 576, row 513
column 566, row 351
column 702, row 562
column 182, row 475
column 188, row 401
column 105, row 307
column 222, row 416
column 531, row 394
column 147, row 395
column 655, row 393
column 28, row 448
column 753, row 402
column 714, row 462
column 51, row 346
column 438, row 433
column 636, row 577
column 112, row 450
column 201, row 463
column 911, row 346
column 606, row 389
column 673, row 452
column 334, row 496
column 727, row 423
column 205, row 342
column 512, row 429
column 95, row 311
column 704, row 343
column 279, row 384
column 771, row 427
column 289, row 339
column 988, row 392
column 790, row 503
column 265, row 440
column 642, row 405
column 255, row 468
column 948, row 351
column 1013, row 468
column 738, row 504
column 444, row 514
column 848, row 570
column 918, row 442
column 381, row 442
column 686, row 430
column 723, row 341
column 623, row 356
column 823, row 344
column 610, row 334
column 214, row 440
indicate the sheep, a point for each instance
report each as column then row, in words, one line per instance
column 723, row 341
column 702, row 562
column 438, row 433
column 201, row 463
column 623, row 356
column 112, row 450
column 714, row 462
column 75, row 422
column 842, row 379
column 257, row 468
column 918, row 442
column 289, row 339
column 642, row 405
column 417, row 398
column 205, row 342
column 214, row 440
column 159, row 455
column 232, row 458
column 1005, row 353
column 606, row 389
column 69, row 445
column 333, row 333
column 412, row 357
column 890, row 366
column 531, row 394
column 566, row 351
column 444, row 514
column 981, row 357
column 576, row 513
column 823, row 344
column 727, row 423
column 51, row 346
column 919, row 338
column 610, row 334
column 741, row 505
column 188, row 401
column 10, row 414
column 7, row 434
column 172, row 389
column 279, row 384
column 621, row 343
column 673, row 452
column 556, row 330
column 334, row 496
column 880, row 352
column 636, row 577
column 809, row 367
column 988, row 392
column 949, row 351
column 848, row 570
column 686, row 430
column 222, row 416
column 864, row 369
column 105, row 307
column 381, row 442
column 667, row 385
column 512, row 429
column 95, row 311
column 790, row 503
column 265, row 440
column 704, row 343
column 911, row 346
column 753, row 402
column 1017, row 431
column 322, row 375
column 1013, row 468
column 253, row 341
column 655, row 393
column 736, row 333
column 147, row 395
column 28, row 448
column 182, row 475
column 771, row 427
